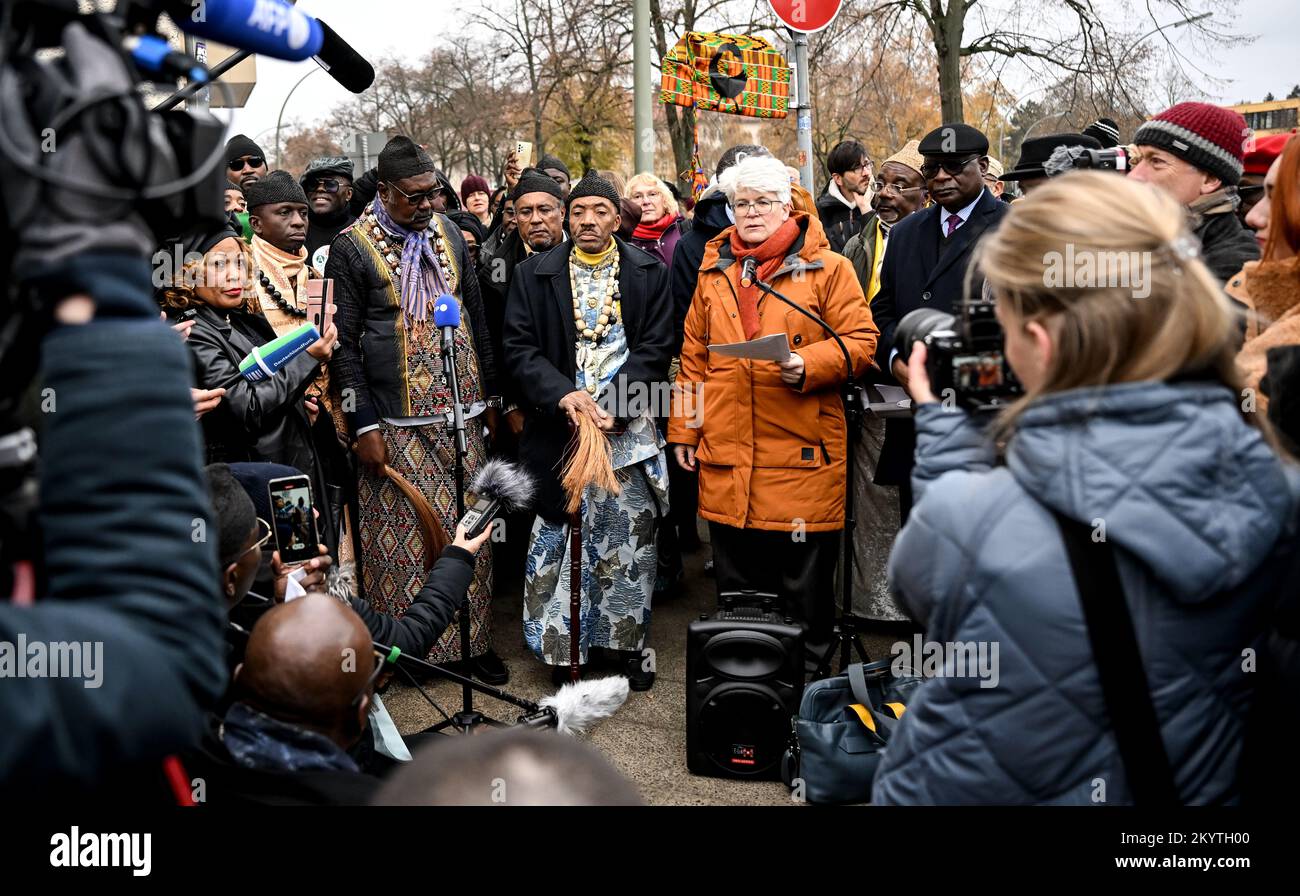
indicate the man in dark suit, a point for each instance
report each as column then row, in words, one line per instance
column 925, row 266
column 588, row 334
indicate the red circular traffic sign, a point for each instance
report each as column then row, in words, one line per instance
column 805, row 15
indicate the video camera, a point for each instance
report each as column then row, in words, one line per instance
column 1065, row 159
column 965, row 357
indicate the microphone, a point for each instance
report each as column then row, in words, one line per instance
column 345, row 65
column 269, row 27
column 446, row 316
column 499, row 488
column 748, row 271
column 264, row 361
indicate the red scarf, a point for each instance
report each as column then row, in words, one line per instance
column 770, row 254
column 653, row 231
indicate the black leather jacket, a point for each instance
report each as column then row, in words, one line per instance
column 262, row 421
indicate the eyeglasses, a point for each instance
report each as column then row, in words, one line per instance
column 930, row 169
column 257, row 544
column 762, row 206
column 542, row 211
column 419, row 199
column 380, row 663
column 246, row 161
column 879, row 186
column 328, row 184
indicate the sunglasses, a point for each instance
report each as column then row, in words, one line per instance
column 419, row 199
column 247, row 161
column 381, row 663
column 328, row 184
column 952, row 168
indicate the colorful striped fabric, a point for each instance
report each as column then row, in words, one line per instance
column 731, row 73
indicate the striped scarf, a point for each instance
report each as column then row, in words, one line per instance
column 423, row 278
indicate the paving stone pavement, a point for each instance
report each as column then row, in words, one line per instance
column 646, row 738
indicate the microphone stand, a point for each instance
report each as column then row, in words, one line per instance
column 848, row 627
column 468, row 718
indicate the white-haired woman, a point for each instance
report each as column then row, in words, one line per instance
column 661, row 225
column 1132, row 425
column 768, row 437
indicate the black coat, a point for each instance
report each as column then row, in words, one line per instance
column 367, row 359
column 710, row 220
column 840, row 222
column 540, row 349
column 1226, row 246
column 494, row 275
column 919, row 272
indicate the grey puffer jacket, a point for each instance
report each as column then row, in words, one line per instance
column 1202, row 514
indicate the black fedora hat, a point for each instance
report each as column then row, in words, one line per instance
column 1037, row 150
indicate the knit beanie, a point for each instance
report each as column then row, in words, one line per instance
column 1210, row 137
column 592, row 184
column 278, row 186
column 554, row 164
column 473, row 184
column 239, row 146
column 533, row 181
column 1105, row 131
column 402, row 158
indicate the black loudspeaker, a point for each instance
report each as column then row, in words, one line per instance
column 744, row 679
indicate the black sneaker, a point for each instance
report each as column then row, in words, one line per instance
column 489, row 669
column 638, row 677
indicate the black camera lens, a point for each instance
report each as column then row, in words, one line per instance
column 919, row 324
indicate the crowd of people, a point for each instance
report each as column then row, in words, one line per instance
column 1169, row 418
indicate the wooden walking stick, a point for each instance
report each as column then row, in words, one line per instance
column 575, row 592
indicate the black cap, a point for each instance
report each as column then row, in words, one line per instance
column 402, row 158
column 239, row 146
column 954, row 140
column 1037, row 150
column 554, row 164
column 339, row 166
column 533, row 181
column 592, row 184
column 278, row 186
column 1105, row 131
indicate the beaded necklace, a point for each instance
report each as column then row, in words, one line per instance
column 277, row 298
column 392, row 254
column 601, row 291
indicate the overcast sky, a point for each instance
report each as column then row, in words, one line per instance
column 407, row 27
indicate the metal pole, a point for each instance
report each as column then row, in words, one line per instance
column 280, row 118
column 193, row 87
column 805, row 112
column 641, row 87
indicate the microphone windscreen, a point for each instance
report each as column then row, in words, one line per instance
column 508, row 483
column 263, row 362
column 344, row 64
column 446, row 311
column 268, row 27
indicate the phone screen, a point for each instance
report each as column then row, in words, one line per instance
column 295, row 523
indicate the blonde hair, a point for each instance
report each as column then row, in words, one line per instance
column 180, row 294
column 645, row 179
column 1176, row 322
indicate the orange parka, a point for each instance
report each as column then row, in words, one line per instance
column 771, row 456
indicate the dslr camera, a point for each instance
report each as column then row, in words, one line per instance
column 1065, row 159
column 965, row 359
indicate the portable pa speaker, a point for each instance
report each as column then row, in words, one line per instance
column 744, row 680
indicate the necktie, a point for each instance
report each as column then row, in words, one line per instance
column 953, row 222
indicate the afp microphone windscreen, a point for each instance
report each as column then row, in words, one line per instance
column 264, row 360
column 446, row 311
column 268, row 27
column 344, row 64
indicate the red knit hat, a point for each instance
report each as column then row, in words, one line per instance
column 1210, row 137
column 1265, row 150
column 473, row 184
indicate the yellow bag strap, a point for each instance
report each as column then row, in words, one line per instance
column 864, row 715
column 898, row 709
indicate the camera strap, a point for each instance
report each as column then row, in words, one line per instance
column 1119, row 664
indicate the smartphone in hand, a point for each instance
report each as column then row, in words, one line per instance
column 294, row 521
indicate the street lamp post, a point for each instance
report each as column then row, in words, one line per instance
column 280, row 118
